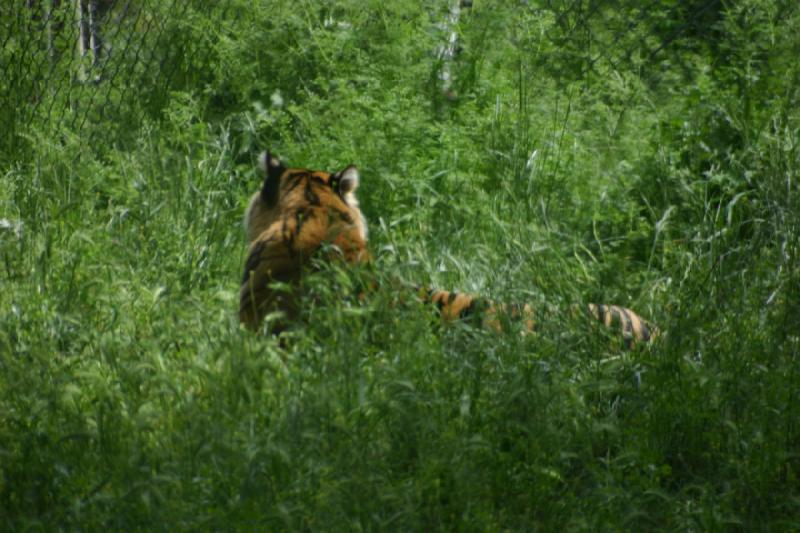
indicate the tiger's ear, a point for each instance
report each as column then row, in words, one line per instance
column 273, row 169
column 348, row 180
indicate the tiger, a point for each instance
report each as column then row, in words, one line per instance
column 301, row 213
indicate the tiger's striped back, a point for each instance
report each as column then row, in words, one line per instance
column 460, row 306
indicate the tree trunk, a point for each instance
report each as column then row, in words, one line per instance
column 94, row 32
column 448, row 51
column 89, row 41
column 51, row 29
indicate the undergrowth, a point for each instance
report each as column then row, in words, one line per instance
column 560, row 171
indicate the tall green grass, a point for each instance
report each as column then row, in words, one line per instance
column 131, row 399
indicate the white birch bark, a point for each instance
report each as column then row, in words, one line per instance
column 83, row 41
column 446, row 52
column 88, row 36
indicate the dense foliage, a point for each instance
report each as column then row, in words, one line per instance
column 590, row 151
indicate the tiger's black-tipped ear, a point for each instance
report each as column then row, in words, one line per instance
column 273, row 169
column 270, row 164
column 348, row 180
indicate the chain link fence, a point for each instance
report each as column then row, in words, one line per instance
column 66, row 63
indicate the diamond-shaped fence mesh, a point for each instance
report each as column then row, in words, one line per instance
column 68, row 63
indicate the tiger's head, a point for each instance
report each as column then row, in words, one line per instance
column 287, row 190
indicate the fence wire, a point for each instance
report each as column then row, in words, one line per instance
column 628, row 34
column 66, row 63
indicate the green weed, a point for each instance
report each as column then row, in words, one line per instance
column 619, row 156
